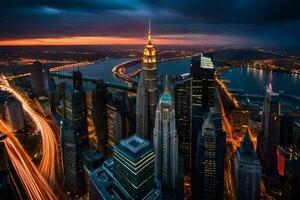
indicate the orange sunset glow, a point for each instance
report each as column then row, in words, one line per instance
column 101, row 40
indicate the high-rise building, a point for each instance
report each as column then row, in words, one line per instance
column 105, row 184
column 183, row 121
column 76, row 113
column 73, row 172
column 148, row 97
column 134, row 168
column 37, row 78
column 99, row 112
column 203, row 84
column 247, row 170
column 165, row 140
column 269, row 138
column 14, row 113
column 202, row 97
column 141, row 109
column 77, row 80
column 209, row 175
column 291, row 180
column 114, row 125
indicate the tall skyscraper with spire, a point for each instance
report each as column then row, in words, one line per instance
column 165, row 140
column 147, row 92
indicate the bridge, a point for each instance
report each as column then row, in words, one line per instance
column 93, row 80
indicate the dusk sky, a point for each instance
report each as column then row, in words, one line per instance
column 192, row 22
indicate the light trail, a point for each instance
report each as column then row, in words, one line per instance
column 49, row 145
column 34, row 184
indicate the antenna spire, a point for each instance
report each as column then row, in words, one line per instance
column 149, row 31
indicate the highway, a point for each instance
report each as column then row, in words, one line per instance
column 33, row 182
column 47, row 165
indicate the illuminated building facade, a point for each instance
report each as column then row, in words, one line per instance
column 148, row 98
column 269, row 138
column 247, row 170
column 73, row 171
column 165, row 140
column 209, row 176
column 183, row 121
column 134, row 157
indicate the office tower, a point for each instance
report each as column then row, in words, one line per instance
column 134, row 168
column 77, row 80
column 76, row 113
column 203, row 88
column 103, row 184
column 73, row 172
column 37, row 80
column 247, row 170
column 117, row 120
column 209, row 176
column 269, row 138
column 202, row 97
column 148, row 97
column 99, row 112
column 141, row 109
column 291, row 180
column 183, row 121
column 203, row 84
column 296, row 140
column 14, row 113
column 165, row 140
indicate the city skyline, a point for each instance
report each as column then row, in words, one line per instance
column 212, row 115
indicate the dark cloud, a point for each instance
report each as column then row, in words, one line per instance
column 259, row 20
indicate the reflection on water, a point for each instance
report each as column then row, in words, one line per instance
column 253, row 81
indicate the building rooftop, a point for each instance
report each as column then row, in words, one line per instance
column 246, row 148
column 134, row 147
column 205, row 62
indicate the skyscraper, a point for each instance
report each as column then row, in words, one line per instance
column 99, row 112
column 14, row 113
column 76, row 113
column 203, row 84
column 269, row 138
column 141, row 109
column 73, row 171
column 134, row 168
column 77, row 80
column 202, row 97
column 183, row 121
column 209, row 175
column 37, row 79
column 247, row 171
column 165, row 140
column 148, row 97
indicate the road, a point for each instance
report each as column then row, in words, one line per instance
column 33, row 182
column 47, row 165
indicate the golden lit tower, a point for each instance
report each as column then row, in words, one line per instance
column 150, row 83
column 149, row 68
